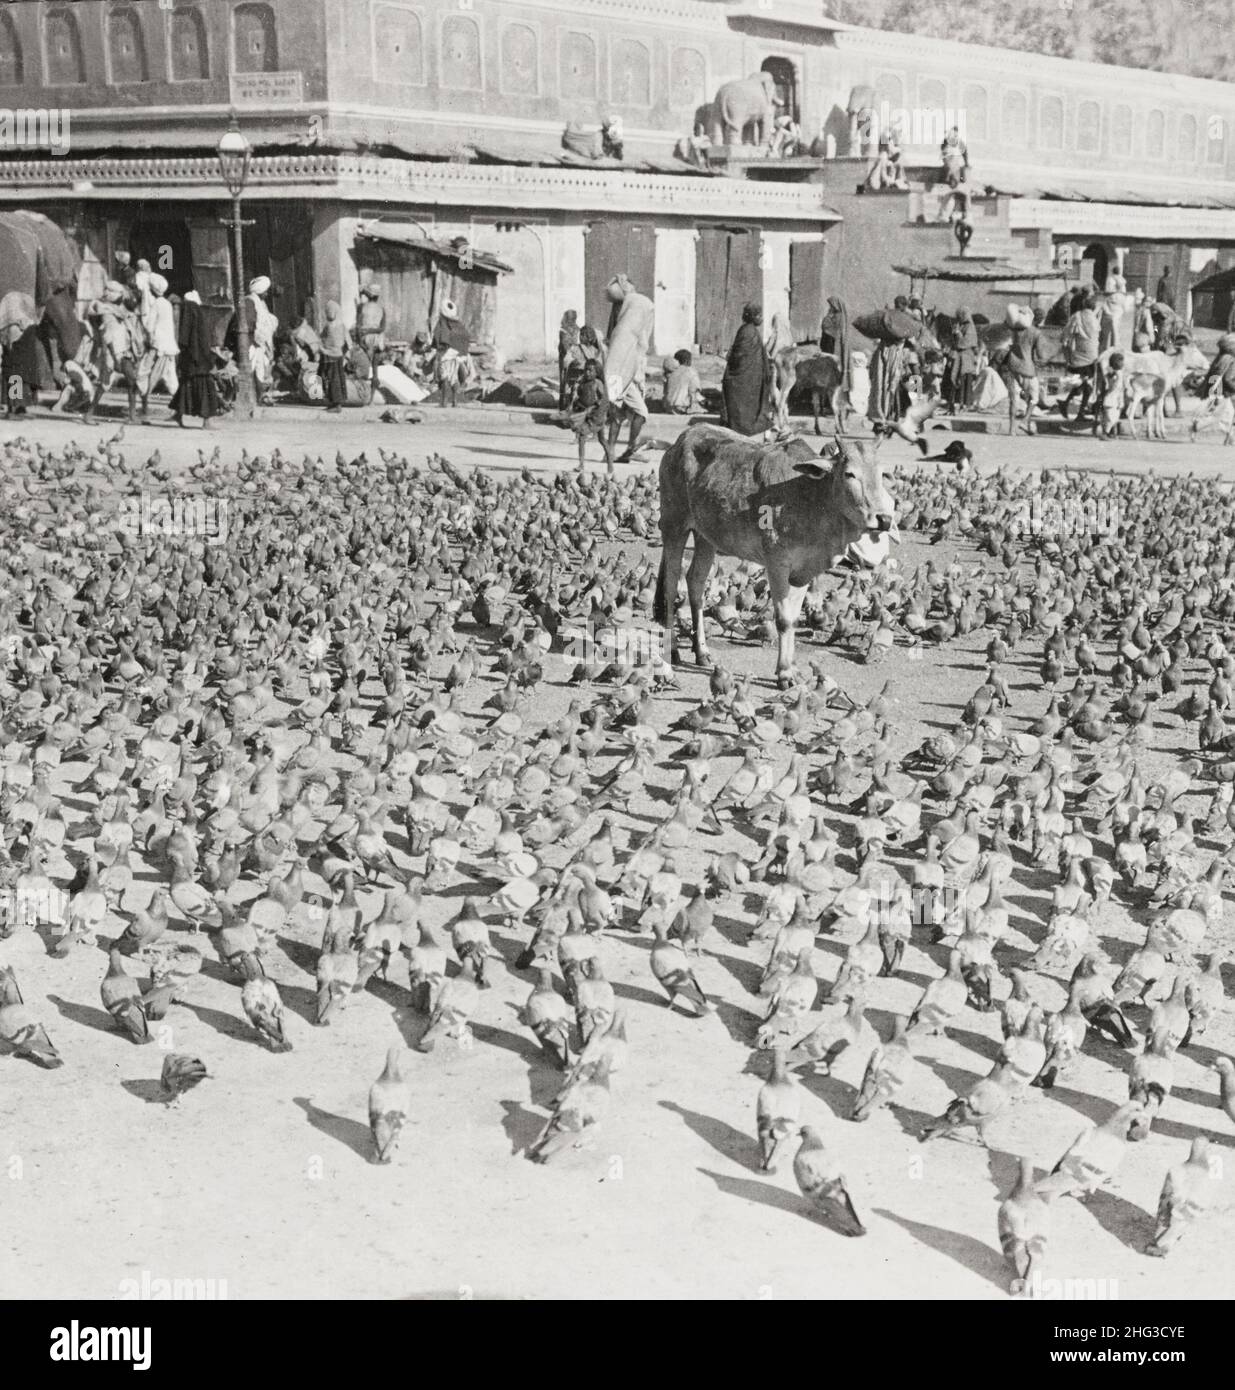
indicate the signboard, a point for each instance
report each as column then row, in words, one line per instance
column 267, row 89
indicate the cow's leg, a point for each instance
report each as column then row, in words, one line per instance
column 666, row 602
column 787, row 602
column 696, row 583
column 838, row 408
column 816, row 398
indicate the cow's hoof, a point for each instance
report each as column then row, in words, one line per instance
column 786, row 680
column 703, row 660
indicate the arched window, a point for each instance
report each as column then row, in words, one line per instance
column 630, row 73
column 889, row 88
column 186, row 43
column 11, row 69
column 1185, row 145
column 578, row 67
column 62, row 45
column 1215, row 140
column 973, row 110
column 520, row 60
column 398, row 45
column 1089, row 127
column 1050, row 123
column 126, row 46
column 1121, row 131
column 785, row 76
column 688, row 78
column 461, row 53
column 1015, row 118
column 257, row 43
column 1155, row 135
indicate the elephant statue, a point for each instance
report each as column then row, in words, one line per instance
column 749, row 101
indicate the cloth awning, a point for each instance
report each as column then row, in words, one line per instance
column 986, row 273
column 1165, row 196
column 442, row 250
column 1220, row 280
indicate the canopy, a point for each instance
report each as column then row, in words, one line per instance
column 441, row 250
column 1219, row 280
column 984, row 273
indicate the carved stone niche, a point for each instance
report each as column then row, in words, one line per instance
column 520, row 60
column 461, row 53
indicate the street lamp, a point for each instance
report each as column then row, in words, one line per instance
column 234, row 153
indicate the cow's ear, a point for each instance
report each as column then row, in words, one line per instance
column 809, row 470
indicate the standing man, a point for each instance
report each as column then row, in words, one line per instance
column 158, row 364
column 1163, row 293
column 630, row 336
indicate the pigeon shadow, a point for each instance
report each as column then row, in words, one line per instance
column 151, row 1092
column 85, row 1014
column 350, row 1133
column 1118, row 1217
column 227, row 1024
column 728, row 1141
column 521, row 1125
column 975, row 1255
column 523, row 1048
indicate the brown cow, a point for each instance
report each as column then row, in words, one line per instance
column 778, row 505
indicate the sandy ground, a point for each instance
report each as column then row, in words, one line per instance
column 261, row 1179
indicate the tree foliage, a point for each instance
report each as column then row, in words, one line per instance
column 1194, row 37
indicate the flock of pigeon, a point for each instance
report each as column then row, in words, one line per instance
column 285, row 723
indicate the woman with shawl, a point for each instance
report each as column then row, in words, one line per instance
column 453, row 343
column 782, row 353
column 747, row 383
column 834, row 339
column 335, row 344
column 197, row 393
column 567, row 342
column 963, row 361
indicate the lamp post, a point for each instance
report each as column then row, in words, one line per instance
column 234, row 153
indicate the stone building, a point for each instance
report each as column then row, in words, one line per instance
column 391, row 135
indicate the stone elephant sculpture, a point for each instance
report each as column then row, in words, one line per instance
column 748, row 101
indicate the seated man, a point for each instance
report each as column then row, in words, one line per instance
column 683, row 389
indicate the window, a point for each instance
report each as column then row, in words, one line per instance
column 1015, row 118
column 1121, row 131
column 461, row 53
column 1089, row 127
column 126, row 47
column 10, row 54
column 688, row 79
column 1215, row 140
column 398, row 45
column 1186, row 143
column 578, row 67
column 520, row 60
column 1050, row 123
column 62, row 45
column 889, row 88
column 257, row 46
column 932, row 95
column 630, row 73
column 1155, row 135
column 974, row 113
column 186, row 45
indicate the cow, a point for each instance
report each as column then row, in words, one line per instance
column 821, row 376
column 778, row 505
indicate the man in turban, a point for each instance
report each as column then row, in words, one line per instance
column 630, row 336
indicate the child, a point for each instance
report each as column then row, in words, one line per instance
column 682, row 385
column 1113, row 383
column 590, row 412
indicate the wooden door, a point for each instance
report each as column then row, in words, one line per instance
column 728, row 276
column 616, row 247
column 806, row 289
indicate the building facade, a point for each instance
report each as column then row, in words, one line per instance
column 441, row 119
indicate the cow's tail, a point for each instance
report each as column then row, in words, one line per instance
column 660, row 603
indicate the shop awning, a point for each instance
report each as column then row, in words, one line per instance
column 985, row 273
column 441, row 250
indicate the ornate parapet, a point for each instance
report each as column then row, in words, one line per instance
column 348, row 176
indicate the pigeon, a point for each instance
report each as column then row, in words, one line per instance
column 778, row 1109
column 885, row 1074
column 577, row 1113
column 390, row 1101
column 1024, row 1228
column 1093, row 1157
column 180, row 1074
column 1187, row 1195
column 821, row 1181
column 122, row 998
column 262, row 1005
